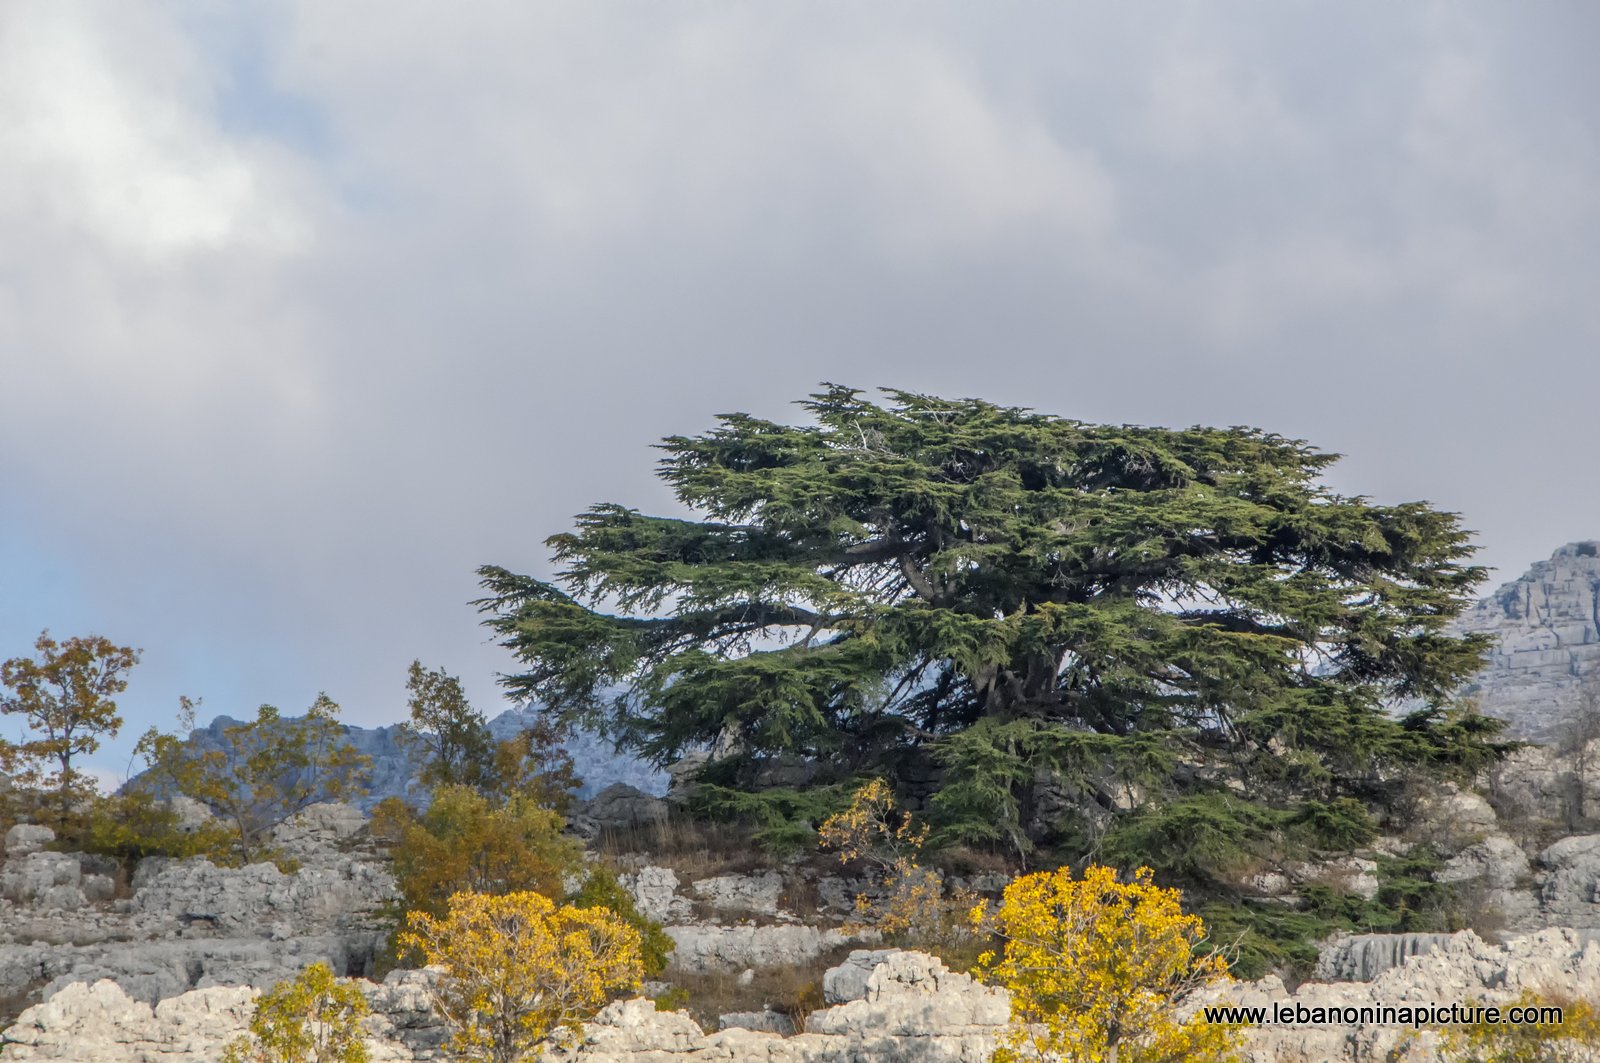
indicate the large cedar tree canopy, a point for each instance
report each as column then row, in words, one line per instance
column 1002, row 592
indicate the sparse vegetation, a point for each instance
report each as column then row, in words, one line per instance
column 266, row 770
column 1575, row 1038
column 910, row 903
column 134, row 824
column 464, row 842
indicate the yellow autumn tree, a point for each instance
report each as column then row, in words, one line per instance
column 1095, row 966
column 313, row 1019
column 911, row 905
column 516, row 968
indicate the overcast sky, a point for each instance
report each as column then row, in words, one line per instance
column 307, row 309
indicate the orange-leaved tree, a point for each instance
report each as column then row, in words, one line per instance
column 1096, row 966
column 66, row 697
column 517, row 967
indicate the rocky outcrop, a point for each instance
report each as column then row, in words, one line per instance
column 908, row 1008
column 186, row 924
column 750, row 894
column 101, row 1023
column 617, row 807
column 1546, row 627
column 655, row 894
column 1362, row 957
column 734, row 948
column 887, row 1006
column 1461, row 969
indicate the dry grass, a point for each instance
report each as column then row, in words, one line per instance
column 795, row 990
column 693, row 849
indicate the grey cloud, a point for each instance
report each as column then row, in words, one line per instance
column 276, row 394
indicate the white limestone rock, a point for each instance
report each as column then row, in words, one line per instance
column 99, row 1023
column 767, row 1021
column 27, row 838
column 655, row 894
column 1496, row 861
column 1362, row 957
column 310, row 900
column 910, row 994
column 755, row 894
column 733, row 948
column 43, row 880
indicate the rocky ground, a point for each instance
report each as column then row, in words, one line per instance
column 881, row 1006
column 166, row 966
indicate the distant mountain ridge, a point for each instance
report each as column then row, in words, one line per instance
column 395, row 770
column 1546, row 626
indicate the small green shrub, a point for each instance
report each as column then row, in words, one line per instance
column 784, row 820
column 131, row 826
column 602, row 890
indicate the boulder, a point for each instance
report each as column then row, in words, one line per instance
column 27, row 838
column 756, row 894
column 1496, row 861
column 619, row 807
column 44, row 880
column 733, row 948
column 1569, row 886
column 910, row 994
column 655, row 893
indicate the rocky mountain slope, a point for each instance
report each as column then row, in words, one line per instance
column 182, row 924
column 1546, row 626
column 165, row 969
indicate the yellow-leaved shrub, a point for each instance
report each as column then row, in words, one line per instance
column 517, row 967
column 313, row 1019
column 1095, row 966
column 912, row 905
column 1573, row 1039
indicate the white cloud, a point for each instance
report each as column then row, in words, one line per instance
column 102, row 129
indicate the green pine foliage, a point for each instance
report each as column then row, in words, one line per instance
column 1185, row 629
column 782, row 820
